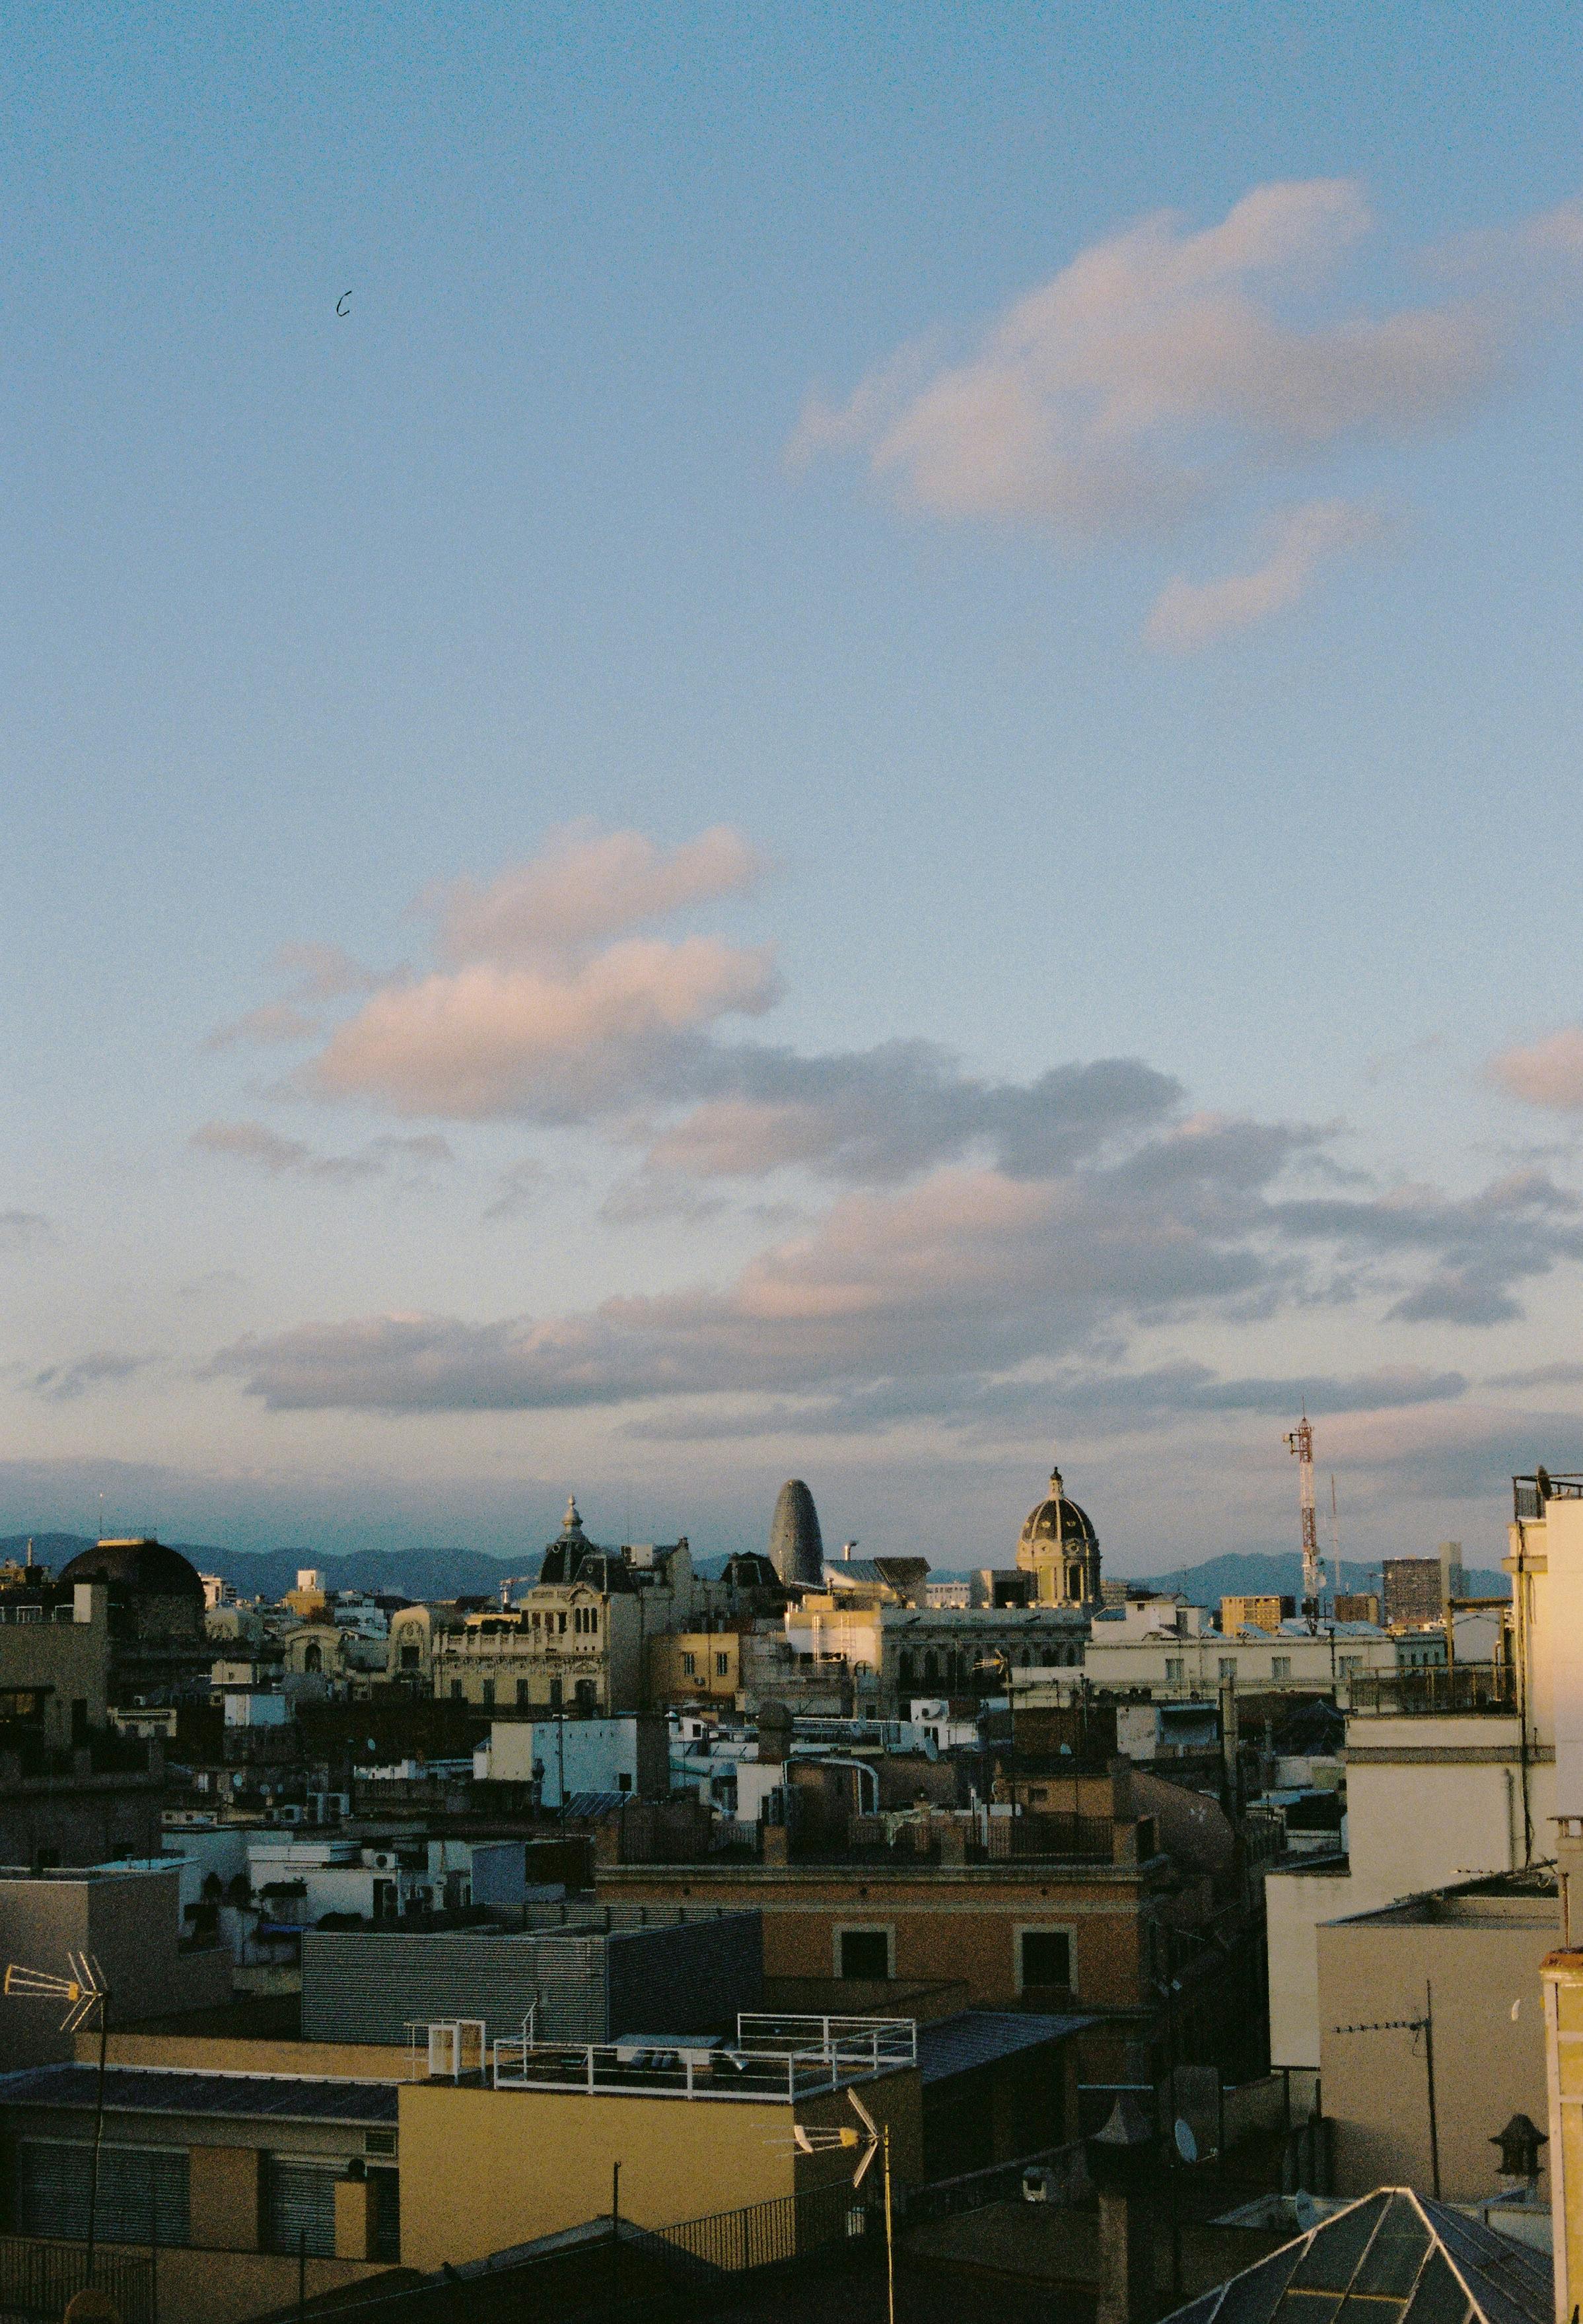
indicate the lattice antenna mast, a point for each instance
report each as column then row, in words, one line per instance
column 1301, row 1442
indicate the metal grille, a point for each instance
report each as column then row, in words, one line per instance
column 37, row 2278
column 142, row 2192
column 300, row 2206
column 763, row 2235
column 385, row 2188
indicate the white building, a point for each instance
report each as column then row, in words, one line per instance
column 1169, row 1646
column 565, row 1756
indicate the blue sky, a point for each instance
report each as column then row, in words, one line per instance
column 1080, row 504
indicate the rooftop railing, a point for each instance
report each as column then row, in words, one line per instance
column 1530, row 1494
column 1436, row 1692
column 777, row 2060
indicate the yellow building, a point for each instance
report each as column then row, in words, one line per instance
column 1262, row 1612
column 692, row 2131
column 1563, row 2035
column 695, row 1666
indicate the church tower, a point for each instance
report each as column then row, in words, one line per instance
column 1059, row 1548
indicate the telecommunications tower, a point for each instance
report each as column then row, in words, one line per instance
column 1301, row 1442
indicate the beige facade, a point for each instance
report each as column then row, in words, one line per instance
column 484, row 2169
column 1430, row 1802
column 1474, row 1957
column 696, row 1666
column 55, row 1666
column 1563, row 2039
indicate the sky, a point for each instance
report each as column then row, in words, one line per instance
column 743, row 741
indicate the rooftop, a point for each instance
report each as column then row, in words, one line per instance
column 181, row 2090
column 1390, row 2258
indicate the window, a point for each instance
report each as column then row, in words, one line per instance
column 588, row 1695
column 1280, row 1666
column 410, row 1658
column 138, row 2186
column 863, row 1953
column 455, row 1690
column 560, row 1624
column 1174, row 1669
column 689, row 1666
column 555, row 1694
column 1228, row 1665
column 313, row 1658
column 300, row 2207
column 624, row 1781
column 522, row 1695
column 1044, row 1958
column 723, row 1665
column 1349, row 1666
column 489, row 1690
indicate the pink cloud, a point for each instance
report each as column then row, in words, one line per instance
column 1189, row 614
column 1549, row 1073
column 1156, row 367
column 553, row 1040
column 585, row 885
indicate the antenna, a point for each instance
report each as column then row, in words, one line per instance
column 1335, row 1535
column 1301, row 1442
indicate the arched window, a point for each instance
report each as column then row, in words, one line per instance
column 313, row 1658
column 1074, row 1581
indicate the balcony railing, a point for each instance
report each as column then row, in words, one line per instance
column 1530, row 1494
column 1490, row 1688
column 773, row 2059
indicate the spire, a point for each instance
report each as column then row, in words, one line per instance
column 571, row 1522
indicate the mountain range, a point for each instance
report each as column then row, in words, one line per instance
column 472, row 1573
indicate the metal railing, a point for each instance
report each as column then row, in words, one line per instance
column 1530, row 1494
column 37, row 1614
column 775, row 2058
column 862, row 2044
column 769, row 2234
column 37, row 2278
column 1435, row 1691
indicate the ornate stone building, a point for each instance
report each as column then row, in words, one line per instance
column 1059, row 1548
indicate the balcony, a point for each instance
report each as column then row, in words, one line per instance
column 1486, row 1688
column 1530, row 1494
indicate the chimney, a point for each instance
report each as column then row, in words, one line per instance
column 1520, row 2143
column 1122, row 2165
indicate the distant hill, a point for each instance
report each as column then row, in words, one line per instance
column 1281, row 1574
column 268, row 1572
column 1278, row 1573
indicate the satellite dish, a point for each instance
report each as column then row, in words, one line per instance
column 1186, row 2144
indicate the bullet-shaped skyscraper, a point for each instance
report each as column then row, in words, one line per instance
column 797, row 1550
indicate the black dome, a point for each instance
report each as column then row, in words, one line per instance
column 147, row 1567
column 1058, row 1521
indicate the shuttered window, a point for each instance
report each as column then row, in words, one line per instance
column 142, row 2192
column 386, row 2186
column 300, row 2206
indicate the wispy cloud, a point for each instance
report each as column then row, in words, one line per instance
column 277, row 1022
column 102, row 1367
column 1168, row 372
column 26, row 1231
column 263, row 1148
column 1191, row 614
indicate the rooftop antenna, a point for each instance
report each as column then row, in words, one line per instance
column 1301, row 1442
column 1335, row 1535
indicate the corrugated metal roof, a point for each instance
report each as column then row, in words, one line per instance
column 978, row 2037
column 141, row 2089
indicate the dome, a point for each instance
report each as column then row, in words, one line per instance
column 145, row 1567
column 1058, row 1522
